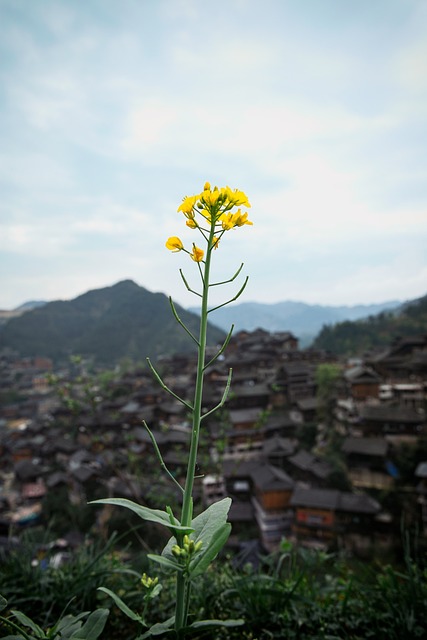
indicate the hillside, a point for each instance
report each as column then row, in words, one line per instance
column 374, row 332
column 304, row 320
column 109, row 324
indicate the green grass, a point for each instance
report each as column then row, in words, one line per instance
column 294, row 594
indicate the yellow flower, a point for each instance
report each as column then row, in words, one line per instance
column 227, row 221
column 174, row 244
column 241, row 218
column 215, row 242
column 237, row 197
column 231, row 220
column 192, row 224
column 207, row 186
column 187, row 205
column 197, row 254
column 210, row 198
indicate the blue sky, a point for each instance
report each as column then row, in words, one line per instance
column 113, row 110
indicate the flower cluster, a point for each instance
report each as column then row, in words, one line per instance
column 212, row 212
column 147, row 582
column 188, row 549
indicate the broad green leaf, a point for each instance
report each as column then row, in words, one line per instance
column 205, row 525
column 152, row 515
column 166, row 563
column 202, row 560
column 93, row 627
column 69, row 624
column 159, row 628
column 27, row 622
column 121, row 605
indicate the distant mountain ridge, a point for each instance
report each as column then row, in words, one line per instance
column 108, row 325
column 302, row 319
column 375, row 332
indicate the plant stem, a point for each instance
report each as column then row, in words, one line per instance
column 180, row 612
column 187, row 514
column 182, row 582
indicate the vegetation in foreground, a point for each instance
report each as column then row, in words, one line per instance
column 294, row 594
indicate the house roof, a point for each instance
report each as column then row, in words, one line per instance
column 421, row 470
column 307, row 404
column 306, row 461
column 241, row 511
column 277, row 444
column 357, row 503
column 27, row 470
column 239, row 468
column 315, row 498
column 391, row 413
column 245, row 415
column 362, row 374
column 269, row 478
column 365, row 446
column 334, row 500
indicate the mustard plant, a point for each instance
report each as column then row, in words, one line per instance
column 195, row 541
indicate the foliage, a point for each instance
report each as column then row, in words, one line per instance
column 350, row 338
column 293, row 593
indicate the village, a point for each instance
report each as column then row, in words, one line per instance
column 310, row 448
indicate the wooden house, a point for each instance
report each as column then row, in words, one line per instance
column 393, row 419
column 362, row 382
column 328, row 518
column 366, row 461
column 272, row 492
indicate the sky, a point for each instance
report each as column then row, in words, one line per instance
column 111, row 111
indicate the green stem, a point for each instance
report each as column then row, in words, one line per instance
column 180, row 612
column 187, row 515
column 182, row 582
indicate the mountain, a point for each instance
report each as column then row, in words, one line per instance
column 6, row 315
column 109, row 324
column 304, row 320
column 375, row 332
column 31, row 304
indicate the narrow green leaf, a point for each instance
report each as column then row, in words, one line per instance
column 167, row 563
column 121, row 605
column 204, row 624
column 159, row 628
column 3, row 603
column 27, row 622
column 152, row 515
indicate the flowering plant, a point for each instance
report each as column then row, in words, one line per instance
column 195, row 541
